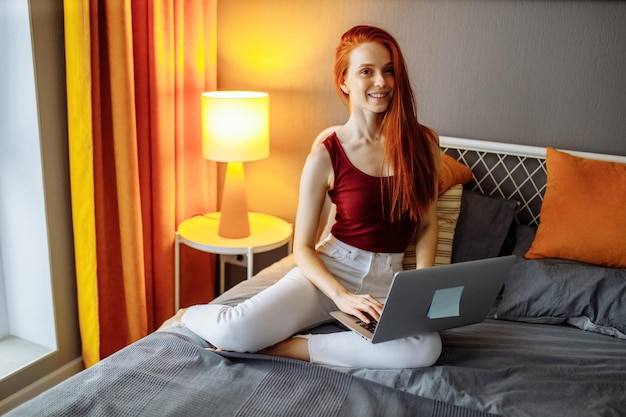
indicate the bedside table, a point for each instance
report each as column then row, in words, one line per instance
column 201, row 233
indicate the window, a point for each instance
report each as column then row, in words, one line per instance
column 27, row 317
column 38, row 312
column 4, row 314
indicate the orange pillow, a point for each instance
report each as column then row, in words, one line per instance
column 583, row 214
column 451, row 173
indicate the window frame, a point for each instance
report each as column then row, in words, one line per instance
column 45, row 19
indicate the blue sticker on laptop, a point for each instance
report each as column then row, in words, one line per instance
column 445, row 303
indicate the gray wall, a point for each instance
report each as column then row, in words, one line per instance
column 527, row 72
column 532, row 72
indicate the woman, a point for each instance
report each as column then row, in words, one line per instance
column 380, row 169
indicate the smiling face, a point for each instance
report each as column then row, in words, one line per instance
column 369, row 79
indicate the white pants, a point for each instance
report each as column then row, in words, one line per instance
column 294, row 304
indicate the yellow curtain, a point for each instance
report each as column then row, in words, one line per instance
column 135, row 72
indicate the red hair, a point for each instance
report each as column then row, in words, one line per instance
column 409, row 146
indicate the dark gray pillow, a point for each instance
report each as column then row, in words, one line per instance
column 555, row 291
column 482, row 226
column 524, row 236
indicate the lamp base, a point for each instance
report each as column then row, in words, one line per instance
column 234, row 223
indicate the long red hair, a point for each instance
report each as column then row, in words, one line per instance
column 409, row 146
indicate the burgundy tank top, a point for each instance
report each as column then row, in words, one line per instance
column 363, row 207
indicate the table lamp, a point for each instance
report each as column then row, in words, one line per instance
column 235, row 129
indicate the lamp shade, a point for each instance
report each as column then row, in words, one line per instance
column 235, row 126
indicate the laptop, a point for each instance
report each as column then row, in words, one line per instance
column 433, row 299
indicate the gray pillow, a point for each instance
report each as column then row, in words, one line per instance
column 524, row 236
column 555, row 291
column 482, row 226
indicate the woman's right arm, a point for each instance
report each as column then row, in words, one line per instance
column 316, row 180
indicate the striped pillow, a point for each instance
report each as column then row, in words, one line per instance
column 448, row 209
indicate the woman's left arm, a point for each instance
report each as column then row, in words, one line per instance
column 427, row 234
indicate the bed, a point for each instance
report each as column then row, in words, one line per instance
column 554, row 343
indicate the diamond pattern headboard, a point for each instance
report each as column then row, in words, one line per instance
column 516, row 172
column 514, row 177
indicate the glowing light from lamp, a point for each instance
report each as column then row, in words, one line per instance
column 235, row 129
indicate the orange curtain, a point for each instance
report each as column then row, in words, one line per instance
column 135, row 72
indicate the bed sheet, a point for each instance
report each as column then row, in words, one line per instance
column 521, row 370
column 170, row 373
column 502, row 367
column 495, row 367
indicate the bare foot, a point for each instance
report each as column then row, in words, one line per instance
column 215, row 349
column 174, row 321
column 294, row 348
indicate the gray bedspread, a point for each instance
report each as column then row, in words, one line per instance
column 171, row 374
column 509, row 368
column 521, row 370
column 505, row 368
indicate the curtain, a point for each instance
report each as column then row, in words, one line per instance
column 135, row 72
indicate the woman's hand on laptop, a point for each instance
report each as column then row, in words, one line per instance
column 360, row 306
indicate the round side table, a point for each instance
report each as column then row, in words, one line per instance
column 201, row 233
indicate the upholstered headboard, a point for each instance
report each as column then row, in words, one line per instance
column 516, row 172
column 508, row 171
